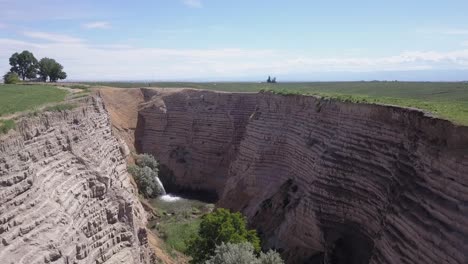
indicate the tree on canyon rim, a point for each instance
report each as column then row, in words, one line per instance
column 271, row 80
column 51, row 69
column 24, row 64
column 28, row 67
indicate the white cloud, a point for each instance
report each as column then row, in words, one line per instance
column 97, row 25
column 84, row 61
column 51, row 37
column 193, row 3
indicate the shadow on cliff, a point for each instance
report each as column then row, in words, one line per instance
column 166, row 175
column 344, row 242
column 168, row 180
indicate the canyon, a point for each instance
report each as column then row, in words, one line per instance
column 323, row 181
column 65, row 194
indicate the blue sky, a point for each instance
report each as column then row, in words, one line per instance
column 241, row 40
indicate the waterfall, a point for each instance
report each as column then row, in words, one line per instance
column 160, row 185
column 163, row 195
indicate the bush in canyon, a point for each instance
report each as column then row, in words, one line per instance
column 145, row 173
column 271, row 257
column 242, row 253
column 220, row 226
column 146, row 160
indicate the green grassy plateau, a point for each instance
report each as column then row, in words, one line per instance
column 447, row 100
column 17, row 98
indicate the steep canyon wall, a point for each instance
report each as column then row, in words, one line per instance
column 321, row 180
column 65, row 195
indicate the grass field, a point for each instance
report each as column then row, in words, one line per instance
column 178, row 221
column 18, row 98
column 448, row 100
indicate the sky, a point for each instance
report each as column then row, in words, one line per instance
column 242, row 40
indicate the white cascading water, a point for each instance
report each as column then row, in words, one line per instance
column 166, row 197
column 161, row 186
column 169, row 198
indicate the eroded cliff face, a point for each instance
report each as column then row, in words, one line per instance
column 196, row 135
column 356, row 182
column 65, row 195
column 321, row 180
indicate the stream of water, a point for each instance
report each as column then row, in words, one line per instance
column 161, row 186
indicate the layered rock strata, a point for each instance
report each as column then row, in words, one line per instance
column 195, row 134
column 322, row 180
column 65, row 195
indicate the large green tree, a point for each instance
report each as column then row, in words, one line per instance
column 51, row 69
column 24, row 64
column 218, row 227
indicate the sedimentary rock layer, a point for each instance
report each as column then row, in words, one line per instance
column 65, row 195
column 322, row 180
column 195, row 134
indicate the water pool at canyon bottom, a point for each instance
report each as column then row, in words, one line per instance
column 169, row 198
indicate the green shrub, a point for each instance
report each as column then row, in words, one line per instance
column 242, row 253
column 11, row 78
column 271, row 257
column 217, row 227
column 146, row 160
column 145, row 173
column 146, row 180
column 6, row 125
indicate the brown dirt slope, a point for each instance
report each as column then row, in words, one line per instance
column 123, row 107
